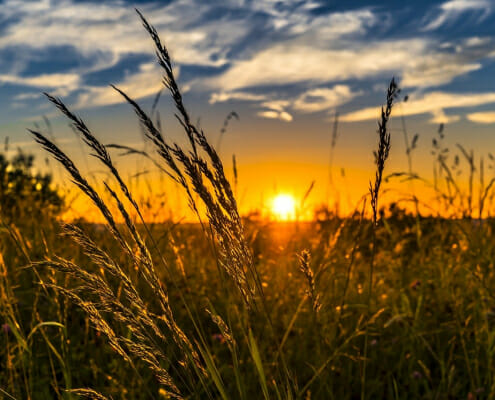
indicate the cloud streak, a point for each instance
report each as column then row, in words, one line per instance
column 450, row 11
column 434, row 103
column 310, row 101
column 486, row 117
column 421, row 62
column 321, row 99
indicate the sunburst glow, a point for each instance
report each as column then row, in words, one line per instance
column 284, row 207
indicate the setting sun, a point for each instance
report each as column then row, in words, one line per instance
column 284, row 207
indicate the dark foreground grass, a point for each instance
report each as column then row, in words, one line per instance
column 430, row 330
column 340, row 308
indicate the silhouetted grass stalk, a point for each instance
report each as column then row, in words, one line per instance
column 198, row 171
column 381, row 156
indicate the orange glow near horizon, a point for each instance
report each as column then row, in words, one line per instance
column 271, row 191
column 283, row 207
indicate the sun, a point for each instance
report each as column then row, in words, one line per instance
column 284, row 207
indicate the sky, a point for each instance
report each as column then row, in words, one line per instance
column 285, row 67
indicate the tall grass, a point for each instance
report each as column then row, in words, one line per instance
column 381, row 155
column 111, row 296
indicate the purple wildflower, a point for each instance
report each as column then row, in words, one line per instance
column 6, row 328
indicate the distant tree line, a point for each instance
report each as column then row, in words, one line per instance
column 24, row 193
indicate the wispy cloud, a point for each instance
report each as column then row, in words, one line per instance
column 277, row 109
column 58, row 84
column 276, row 105
column 221, row 97
column 324, row 98
column 450, row 11
column 296, row 18
column 421, row 62
column 27, row 96
column 107, row 31
column 273, row 114
column 434, row 103
column 485, row 117
column 439, row 117
column 310, row 101
column 44, row 80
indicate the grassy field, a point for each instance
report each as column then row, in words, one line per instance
column 382, row 303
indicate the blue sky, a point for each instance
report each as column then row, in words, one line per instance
column 284, row 66
column 284, row 57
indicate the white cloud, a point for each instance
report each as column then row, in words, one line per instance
column 63, row 83
column 453, row 9
column 432, row 103
column 477, row 41
column 314, row 100
column 465, row 5
column 105, row 32
column 417, row 60
column 439, row 117
column 344, row 23
column 27, row 96
column 296, row 19
column 324, row 98
column 276, row 110
column 221, row 97
column 484, row 117
column 435, row 70
column 272, row 114
column 276, row 105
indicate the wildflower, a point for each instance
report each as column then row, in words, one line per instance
column 218, row 337
column 417, row 375
column 6, row 328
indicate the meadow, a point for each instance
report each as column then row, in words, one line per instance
column 387, row 302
